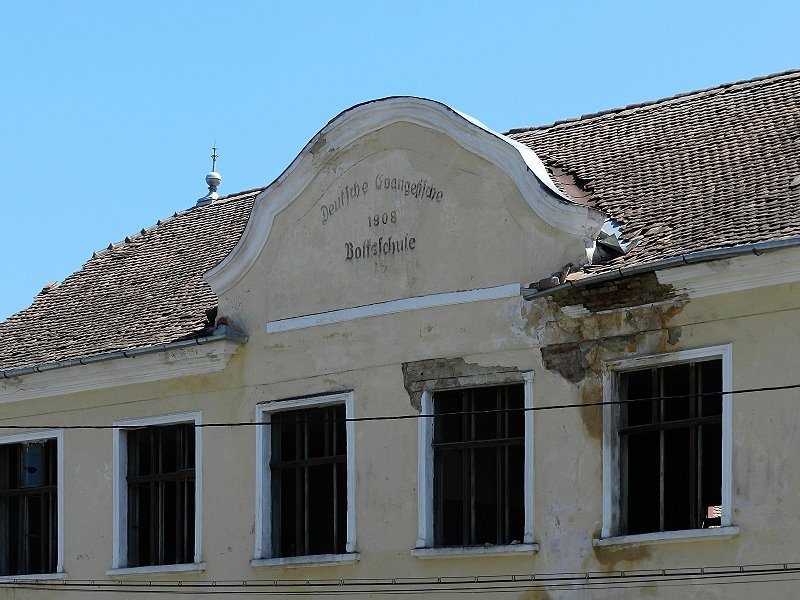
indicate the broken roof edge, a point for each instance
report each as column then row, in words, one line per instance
column 680, row 97
column 517, row 160
column 679, row 260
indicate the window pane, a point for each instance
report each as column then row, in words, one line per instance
column 488, row 496
column 678, row 484
column 309, row 481
column 450, row 420
column 642, row 483
column 478, row 466
column 451, row 508
column 321, row 510
column 28, row 519
column 671, row 472
column 676, row 389
column 161, row 499
column 637, row 385
column 709, row 385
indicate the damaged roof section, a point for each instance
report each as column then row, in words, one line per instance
column 704, row 170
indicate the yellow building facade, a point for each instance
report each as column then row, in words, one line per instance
column 423, row 376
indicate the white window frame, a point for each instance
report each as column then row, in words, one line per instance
column 120, row 485
column 610, row 532
column 425, row 547
column 58, row 436
column 262, row 556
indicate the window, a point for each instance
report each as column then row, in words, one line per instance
column 668, row 444
column 30, row 504
column 476, row 469
column 157, row 492
column 305, row 485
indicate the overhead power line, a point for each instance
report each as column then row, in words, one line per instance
column 408, row 417
column 688, row 576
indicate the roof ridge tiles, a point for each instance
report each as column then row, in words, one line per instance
column 129, row 239
column 739, row 85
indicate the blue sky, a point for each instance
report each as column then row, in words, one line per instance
column 110, row 109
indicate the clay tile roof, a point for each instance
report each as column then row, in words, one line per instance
column 145, row 290
column 704, row 170
column 699, row 171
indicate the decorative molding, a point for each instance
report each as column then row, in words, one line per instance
column 519, row 162
column 393, row 306
column 734, row 274
column 118, row 369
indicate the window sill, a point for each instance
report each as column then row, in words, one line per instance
column 157, row 569
column 458, row 551
column 319, row 560
column 32, row 577
column 668, row 537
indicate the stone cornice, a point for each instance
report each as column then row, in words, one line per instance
column 141, row 365
column 734, row 274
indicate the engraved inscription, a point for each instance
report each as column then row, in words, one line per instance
column 342, row 200
column 399, row 192
column 382, row 246
column 417, row 189
column 382, row 218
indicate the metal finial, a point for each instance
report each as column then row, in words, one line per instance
column 213, row 180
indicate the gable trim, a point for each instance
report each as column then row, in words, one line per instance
column 518, row 161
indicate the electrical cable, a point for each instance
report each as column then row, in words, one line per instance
column 485, row 584
column 776, row 388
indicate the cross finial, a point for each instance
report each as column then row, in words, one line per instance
column 214, row 157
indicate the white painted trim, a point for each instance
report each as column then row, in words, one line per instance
column 425, row 533
column 499, row 292
column 58, row 436
column 425, row 473
column 183, row 361
column 313, row 560
column 457, row 551
column 263, row 502
column 611, row 454
column 668, row 537
column 519, row 162
column 197, row 567
column 734, row 274
column 119, row 557
column 530, row 463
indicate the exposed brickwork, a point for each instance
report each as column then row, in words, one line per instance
column 619, row 293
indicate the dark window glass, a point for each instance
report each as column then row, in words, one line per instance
column 308, row 469
column 28, row 508
column 478, row 462
column 671, row 447
column 161, row 501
